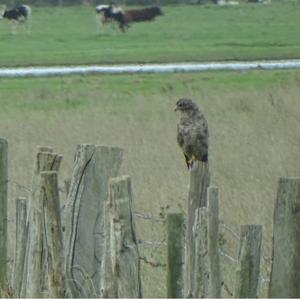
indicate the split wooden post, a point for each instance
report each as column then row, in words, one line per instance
column 175, row 255
column 3, row 211
column 53, row 230
column 201, row 276
column 285, row 273
column 35, row 274
column 20, row 246
column 45, row 160
column 35, row 271
column 83, row 219
column 67, row 183
column 247, row 272
column 213, row 243
column 121, row 256
column 199, row 182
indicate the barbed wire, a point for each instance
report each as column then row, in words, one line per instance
column 236, row 236
column 19, row 185
column 227, row 289
column 161, row 219
column 152, row 263
column 152, row 243
column 229, row 257
column 233, row 233
column 149, row 217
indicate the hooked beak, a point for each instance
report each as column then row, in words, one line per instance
column 176, row 108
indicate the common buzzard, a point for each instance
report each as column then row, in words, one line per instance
column 192, row 132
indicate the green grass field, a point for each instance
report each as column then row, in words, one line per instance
column 254, row 125
column 185, row 33
column 253, row 116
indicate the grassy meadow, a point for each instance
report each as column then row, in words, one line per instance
column 68, row 35
column 254, row 125
column 253, row 116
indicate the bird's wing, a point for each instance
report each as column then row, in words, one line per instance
column 181, row 142
column 180, row 136
column 201, row 139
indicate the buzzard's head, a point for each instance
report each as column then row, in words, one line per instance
column 185, row 105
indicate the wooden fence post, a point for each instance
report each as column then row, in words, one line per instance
column 247, row 273
column 45, row 160
column 84, row 217
column 35, row 275
column 201, row 276
column 285, row 273
column 20, row 246
column 121, row 256
column 213, row 243
column 175, row 255
column 3, row 211
column 54, row 242
column 199, row 182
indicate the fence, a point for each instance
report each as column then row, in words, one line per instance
column 92, row 249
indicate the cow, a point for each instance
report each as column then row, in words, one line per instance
column 142, row 15
column 260, row 1
column 107, row 13
column 18, row 15
column 110, row 14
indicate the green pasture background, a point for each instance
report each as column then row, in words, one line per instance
column 67, row 35
column 117, row 2
column 253, row 116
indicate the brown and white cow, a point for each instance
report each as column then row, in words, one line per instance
column 143, row 14
column 107, row 13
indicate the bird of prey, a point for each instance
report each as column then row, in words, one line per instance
column 192, row 132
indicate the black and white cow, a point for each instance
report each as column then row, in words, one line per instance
column 17, row 15
column 110, row 14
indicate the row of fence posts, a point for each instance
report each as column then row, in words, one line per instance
column 201, row 276
column 87, row 249
column 91, row 250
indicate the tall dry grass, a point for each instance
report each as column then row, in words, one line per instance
column 254, row 141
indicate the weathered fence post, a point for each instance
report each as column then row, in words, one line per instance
column 247, row 273
column 67, row 183
column 53, row 230
column 214, row 290
column 201, row 276
column 45, row 160
column 199, row 182
column 20, row 246
column 3, row 211
column 285, row 273
column 175, row 255
column 35, row 275
column 121, row 256
column 84, row 217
